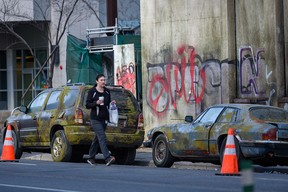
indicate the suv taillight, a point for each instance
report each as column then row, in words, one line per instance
column 140, row 121
column 79, row 116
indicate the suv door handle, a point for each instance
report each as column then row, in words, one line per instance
column 208, row 125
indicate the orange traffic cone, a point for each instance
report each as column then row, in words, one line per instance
column 230, row 163
column 8, row 147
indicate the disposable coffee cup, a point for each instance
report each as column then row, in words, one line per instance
column 102, row 99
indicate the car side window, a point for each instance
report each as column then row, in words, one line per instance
column 53, row 100
column 229, row 115
column 37, row 103
column 211, row 115
column 70, row 98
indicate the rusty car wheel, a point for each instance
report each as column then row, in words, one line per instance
column 239, row 154
column 161, row 154
column 61, row 151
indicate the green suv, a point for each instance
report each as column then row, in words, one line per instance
column 58, row 121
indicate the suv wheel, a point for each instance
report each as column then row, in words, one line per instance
column 125, row 156
column 17, row 150
column 77, row 154
column 60, row 149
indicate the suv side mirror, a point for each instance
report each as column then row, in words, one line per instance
column 23, row 109
column 189, row 118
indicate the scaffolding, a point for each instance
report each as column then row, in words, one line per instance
column 107, row 43
column 100, row 40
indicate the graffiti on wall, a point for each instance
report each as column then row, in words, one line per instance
column 202, row 83
column 124, row 63
column 253, row 74
column 187, row 79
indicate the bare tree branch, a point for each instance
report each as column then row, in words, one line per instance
column 67, row 13
column 93, row 10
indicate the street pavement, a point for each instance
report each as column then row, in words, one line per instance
column 144, row 158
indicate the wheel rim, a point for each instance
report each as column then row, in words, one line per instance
column 160, row 151
column 57, row 147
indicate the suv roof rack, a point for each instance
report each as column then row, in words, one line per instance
column 76, row 84
column 73, row 84
column 120, row 86
column 82, row 83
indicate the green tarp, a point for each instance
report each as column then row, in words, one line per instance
column 82, row 66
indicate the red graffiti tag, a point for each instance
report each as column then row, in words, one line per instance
column 162, row 84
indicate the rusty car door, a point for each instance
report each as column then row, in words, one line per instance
column 199, row 133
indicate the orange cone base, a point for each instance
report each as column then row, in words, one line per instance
column 16, row 160
column 228, row 174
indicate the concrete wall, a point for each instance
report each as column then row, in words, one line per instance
column 199, row 53
column 257, row 33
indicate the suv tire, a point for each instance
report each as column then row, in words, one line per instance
column 61, row 151
column 77, row 154
column 17, row 150
column 125, row 156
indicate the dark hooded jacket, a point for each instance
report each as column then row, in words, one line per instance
column 98, row 112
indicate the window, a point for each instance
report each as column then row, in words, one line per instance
column 25, row 70
column 53, row 100
column 269, row 114
column 70, row 98
column 211, row 115
column 125, row 100
column 229, row 115
column 37, row 103
column 3, row 81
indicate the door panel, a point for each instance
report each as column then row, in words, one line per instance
column 199, row 135
column 29, row 122
column 48, row 115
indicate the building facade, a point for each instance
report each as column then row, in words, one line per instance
column 199, row 53
column 194, row 53
column 40, row 25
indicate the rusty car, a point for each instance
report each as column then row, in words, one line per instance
column 57, row 121
column 260, row 134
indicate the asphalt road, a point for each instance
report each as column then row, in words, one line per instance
column 144, row 158
column 31, row 175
